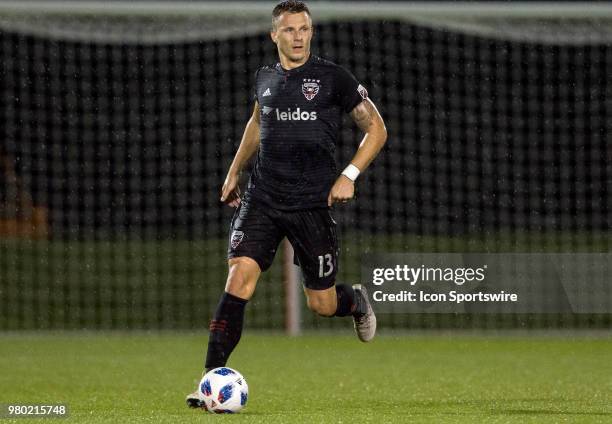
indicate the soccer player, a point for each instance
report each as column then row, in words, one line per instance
column 297, row 116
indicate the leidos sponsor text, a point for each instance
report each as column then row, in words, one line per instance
column 295, row 115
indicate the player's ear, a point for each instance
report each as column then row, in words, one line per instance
column 273, row 34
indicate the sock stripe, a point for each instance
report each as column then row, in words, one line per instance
column 217, row 325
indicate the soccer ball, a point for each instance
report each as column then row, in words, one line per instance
column 224, row 390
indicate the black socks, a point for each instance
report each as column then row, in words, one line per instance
column 225, row 330
column 226, row 326
column 349, row 301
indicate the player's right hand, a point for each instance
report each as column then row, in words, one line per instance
column 230, row 192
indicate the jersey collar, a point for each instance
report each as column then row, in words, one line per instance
column 295, row 70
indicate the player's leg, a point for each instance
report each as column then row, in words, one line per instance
column 312, row 234
column 323, row 302
column 254, row 239
column 343, row 300
column 340, row 300
column 226, row 326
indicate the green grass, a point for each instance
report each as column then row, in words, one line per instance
column 317, row 378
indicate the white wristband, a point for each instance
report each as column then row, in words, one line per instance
column 351, row 172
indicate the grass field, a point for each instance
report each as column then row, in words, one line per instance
column 317, row 378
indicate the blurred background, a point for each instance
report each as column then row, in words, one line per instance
column 118, row 122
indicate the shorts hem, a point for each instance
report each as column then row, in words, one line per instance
column 320, row 285
column 262, row 265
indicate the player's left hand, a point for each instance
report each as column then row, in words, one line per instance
column 342, row 191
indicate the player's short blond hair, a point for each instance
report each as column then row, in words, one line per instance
column 291, row 6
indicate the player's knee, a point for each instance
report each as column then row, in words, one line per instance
column 321, row 306
column 242, row 277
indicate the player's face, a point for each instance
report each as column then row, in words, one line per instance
column 292, row 36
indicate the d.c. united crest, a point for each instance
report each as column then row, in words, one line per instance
column 310, row 88
column 237, row 237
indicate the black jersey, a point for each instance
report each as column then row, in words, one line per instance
column 300, row 117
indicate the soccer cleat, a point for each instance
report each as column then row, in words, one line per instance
column 196, row 400
column 365, row 323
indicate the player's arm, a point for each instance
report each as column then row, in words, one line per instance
column 230, row 192
column 367, row 118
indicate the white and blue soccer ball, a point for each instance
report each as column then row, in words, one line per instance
column 224, row 390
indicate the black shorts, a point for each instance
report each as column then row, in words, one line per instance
column 257, row 230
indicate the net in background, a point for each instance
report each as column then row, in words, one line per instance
column 496, row 144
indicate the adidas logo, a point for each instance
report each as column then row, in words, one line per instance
column 267, row 93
